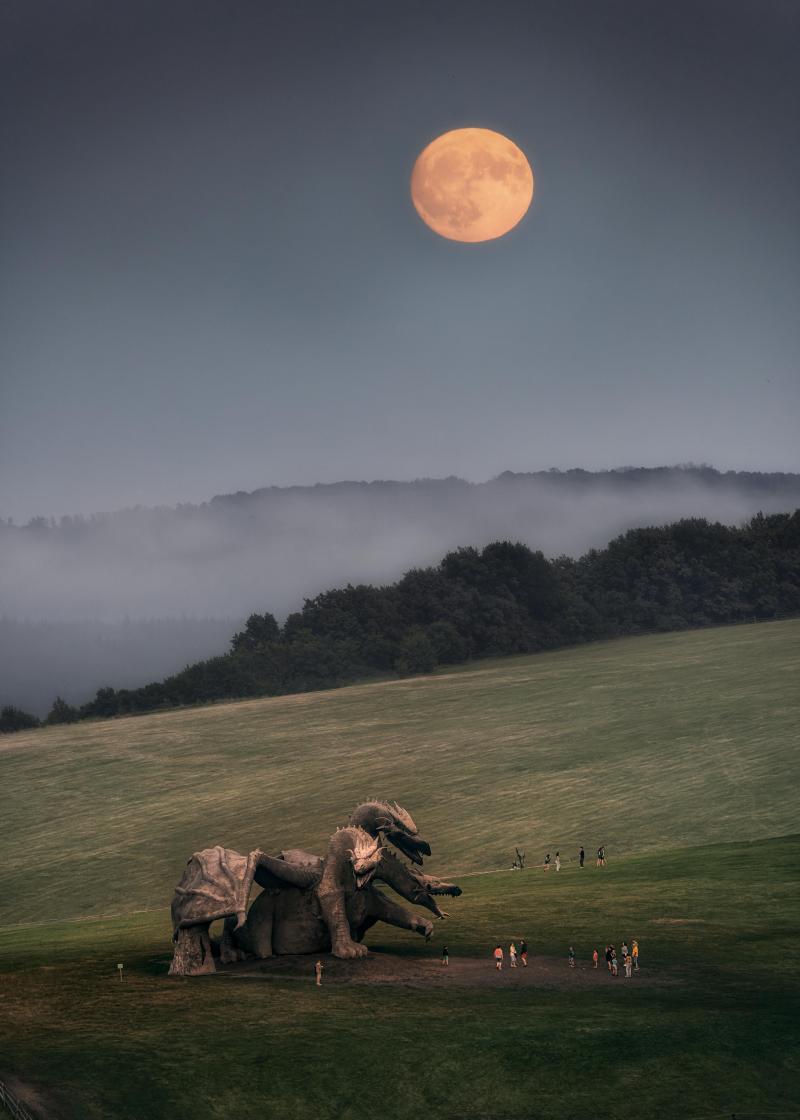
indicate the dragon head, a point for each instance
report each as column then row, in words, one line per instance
column 395, row 823
column 365, row 856
column 413, row 884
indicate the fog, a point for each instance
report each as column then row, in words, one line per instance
column 42, row 660
column 268, row 550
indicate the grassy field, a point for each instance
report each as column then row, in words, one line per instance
column 707, row 1029
column 644, row 743
column 677, row 751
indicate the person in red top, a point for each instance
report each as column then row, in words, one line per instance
column 594, row 959
column 498, row 957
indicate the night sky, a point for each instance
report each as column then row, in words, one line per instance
column 213, row 277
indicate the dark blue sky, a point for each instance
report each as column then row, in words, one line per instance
column 213, row 277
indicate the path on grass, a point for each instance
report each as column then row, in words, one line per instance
column 422, row 972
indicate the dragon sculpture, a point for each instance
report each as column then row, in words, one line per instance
column 307, row 904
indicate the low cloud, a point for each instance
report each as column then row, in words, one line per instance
column 268, row 550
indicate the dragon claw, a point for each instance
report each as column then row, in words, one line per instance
column 349, row 950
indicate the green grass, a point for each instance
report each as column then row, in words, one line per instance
column 677, row 751
column 719, row 1039
column 642, row 743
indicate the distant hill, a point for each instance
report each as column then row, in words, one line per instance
column 269, row 549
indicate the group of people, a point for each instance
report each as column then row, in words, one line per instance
column 515, row 951
column 519, row 951
column 628, row 957
column 601, row 858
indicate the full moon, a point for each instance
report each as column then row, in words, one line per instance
column 471, row 184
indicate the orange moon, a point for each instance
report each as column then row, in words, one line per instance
column 471, row 184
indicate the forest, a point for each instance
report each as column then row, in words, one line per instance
column 477, row 603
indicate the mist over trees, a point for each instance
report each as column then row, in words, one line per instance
column 131, row 596
column 42, row 659
column 280, row 545
column 502, row 599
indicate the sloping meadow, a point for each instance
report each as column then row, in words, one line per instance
column 639, row 744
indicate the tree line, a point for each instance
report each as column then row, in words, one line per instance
column 476, row 603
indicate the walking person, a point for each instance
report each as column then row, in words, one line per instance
column 523, row 952
column 595, row 957
column 628, row 966
column 318, row 969
column 571, row 957
column 558, row 861
column 635, row 954
column 581, row 856
column 547, row 862
column 601, row 856
column 512, row 955
column 498, row 957
column 445, row 956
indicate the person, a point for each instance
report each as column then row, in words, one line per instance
column 601, row 856
column 512, row 955
column 558, row 861
column 624, row 950
column 318, row 967
column 547, row 862
column 635, row 954
column 614, row 964
column 498, row 957
column 581, row 856
column 628, row 966
column 445, row 955
column 523, row 952
column 608, row 957
column 595, row 957
column 571, row 957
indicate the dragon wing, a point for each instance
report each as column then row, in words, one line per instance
column 217, row 883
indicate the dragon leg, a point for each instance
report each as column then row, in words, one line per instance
column 332, row 904
column 384, row 910
column 229, row 950
column 255, row 936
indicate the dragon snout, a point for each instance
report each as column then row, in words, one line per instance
column 412, row 846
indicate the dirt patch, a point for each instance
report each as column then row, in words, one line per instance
column 420, row 972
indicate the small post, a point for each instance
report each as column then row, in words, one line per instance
column 119, row 969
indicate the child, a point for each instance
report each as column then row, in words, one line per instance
column 547, row 862
column 512, row 955
column 558, row 861
column 571, row 957
column 498, row 958
column 523, row 952
column 628, row 966
column 614, row 963
column 445, row 956
column 318, row 967
column 594, row 959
